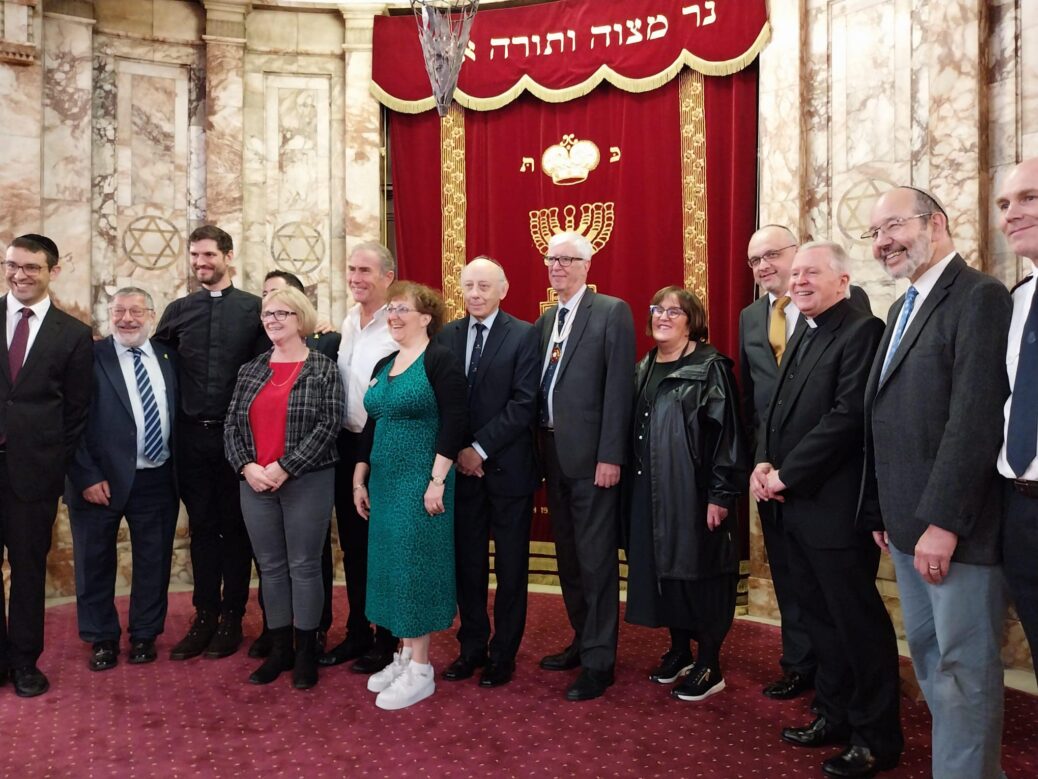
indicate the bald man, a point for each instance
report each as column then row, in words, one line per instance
column 1017, row 203
column 497, row 473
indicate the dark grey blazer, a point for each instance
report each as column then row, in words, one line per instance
column 757, row 369
column 502, row 406
column 934, row 424
column 593, row 390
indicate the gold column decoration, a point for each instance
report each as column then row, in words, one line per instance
column 693, row 183
column 452, row 204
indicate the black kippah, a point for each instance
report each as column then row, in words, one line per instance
column 45, row 243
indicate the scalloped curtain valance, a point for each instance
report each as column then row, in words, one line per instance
column 561, row 51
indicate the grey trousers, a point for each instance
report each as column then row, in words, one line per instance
column 287, row 529
column 954, row 631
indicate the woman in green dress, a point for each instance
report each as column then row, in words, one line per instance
column 404, row 485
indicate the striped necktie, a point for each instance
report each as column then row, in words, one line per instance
column 152, row 421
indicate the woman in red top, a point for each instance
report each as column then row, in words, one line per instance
column 279, row 434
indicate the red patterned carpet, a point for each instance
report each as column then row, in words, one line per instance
column 200, row 718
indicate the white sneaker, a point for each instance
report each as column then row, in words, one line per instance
column 380, row 680
column 415, row 684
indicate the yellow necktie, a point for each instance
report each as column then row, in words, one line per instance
column 777, row 328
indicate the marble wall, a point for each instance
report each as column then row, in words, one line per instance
column 857, row 96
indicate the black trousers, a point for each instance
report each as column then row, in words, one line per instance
column 221, row 555
column 585, row 521
column 25, row 532
column 353, row 540
column 857, row 678
column 151, row 515
column 478, row 512
column 1020, row 551
column 797, row 653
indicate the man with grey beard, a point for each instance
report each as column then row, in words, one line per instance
column 933, row 408
column 134, row 400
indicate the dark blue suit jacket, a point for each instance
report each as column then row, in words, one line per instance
column 503, row 400
column 108, row 448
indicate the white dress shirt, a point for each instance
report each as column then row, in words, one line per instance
column 1021, row 306
column 470, row 342
column 359, row 350
column 158, row 388
column 923, row 287
column 571, row 305
column 14, row 313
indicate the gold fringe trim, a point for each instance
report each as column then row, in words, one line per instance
column 452, row 204
column 604, row 73
column 693, row 185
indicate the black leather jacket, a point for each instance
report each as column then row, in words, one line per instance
column 697, row 456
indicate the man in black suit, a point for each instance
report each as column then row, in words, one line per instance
column 497, row 473
column 933, row 431
column 813, row 438
column 765, row 326
column 585, row 397
column 1018, row 461
column 44, row 398
column 124, row 468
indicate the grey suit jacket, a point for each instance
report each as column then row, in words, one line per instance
column 934, row 424
column 593, row 395
column 758, row 372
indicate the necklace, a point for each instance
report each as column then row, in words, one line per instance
column 291, row 376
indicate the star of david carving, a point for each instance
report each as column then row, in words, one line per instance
column 297, row 247
column 152, row 242
column 852, row 215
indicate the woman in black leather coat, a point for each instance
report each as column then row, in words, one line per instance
column 688, row 466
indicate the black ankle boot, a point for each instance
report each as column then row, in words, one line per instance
column 281, row 657
column 304, row 676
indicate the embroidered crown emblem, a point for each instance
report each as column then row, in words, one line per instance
column 570, row 161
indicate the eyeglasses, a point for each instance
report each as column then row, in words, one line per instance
column 771, row 255
column 670, row 313
column 891, row 226
column 279, row 315
column 399, row 310
column 29, row 268
column 564, row 262
column 135, row 311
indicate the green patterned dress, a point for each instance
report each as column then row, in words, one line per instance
column 410, row 554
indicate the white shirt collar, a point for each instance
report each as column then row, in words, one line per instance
column 575, row 300
column 488, row 321
column 145, row 347
column 929, row 278
column 39, row 308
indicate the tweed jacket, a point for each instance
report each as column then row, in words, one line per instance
column 316, row 409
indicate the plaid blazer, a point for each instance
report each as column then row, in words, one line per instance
column 316, row 410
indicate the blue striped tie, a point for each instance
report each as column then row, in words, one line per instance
column 902, row 323
column 152, row 422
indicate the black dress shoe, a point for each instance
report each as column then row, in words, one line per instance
column 105, row 655
column 374, row 661
column 819, row 733
column 589, row 685
column 566, row 660
column 356, row 644
column 857, row 761
column 29, row 682
column 789, row 686
column 142, row 651
column 226, row 639
column 497, row 674
column 463, row 668
column 198, row 637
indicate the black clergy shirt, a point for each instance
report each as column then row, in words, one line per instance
column 214, row 337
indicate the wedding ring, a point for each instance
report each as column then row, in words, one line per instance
column 934, row 567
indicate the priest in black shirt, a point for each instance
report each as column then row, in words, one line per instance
column 215, row 331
